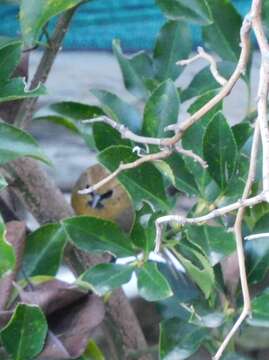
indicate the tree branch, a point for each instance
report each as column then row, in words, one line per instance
column 202, row 54
column 24, row 115
column 239, row 244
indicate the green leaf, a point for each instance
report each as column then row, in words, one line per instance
column 144, row 182
column 220, row 150
column 203, row 275
column 161, row 109
column 15, row 89
column 223, row 36
column 179, row 340
column 152, row 285
column 97, row 235
column 184, row 180
column 34, row 14
column 260, row 310
column 9, row 59
column 118, row 110
column 92, row 352
column 203, row 81
column 44, row 250
column 167, row 53
column 215, row 242
column 166, row 170
column 105, row 136
column 7, row 253
column 70, row 115
column 15, row 143
column 3, row 183
column 25, row 334
column 257, row 252
column 144, row 230
column 242, row 132
column 142, row 63
column 193, row 140
column 107, row 277
column 132, row 79
column 196, row 11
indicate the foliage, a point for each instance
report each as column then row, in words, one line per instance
column 191, row 290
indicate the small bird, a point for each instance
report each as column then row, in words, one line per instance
column 111, row 201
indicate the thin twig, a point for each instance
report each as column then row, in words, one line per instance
column 192, row 155
column 124, row 131
column 24, row 115
column 128, row 166
column 202, row 54
column 263, row 88
column 225, row 90
column 239, row 243
column 181, row 220
column 257, row 236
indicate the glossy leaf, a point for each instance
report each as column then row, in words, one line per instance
column 179, row 340
column 203, row 81
column 92, row 352
column 196, row 11
column 142, row 63
column 15, row 89
column 166, row 170
column 3, row 183
column 70, row 115
column 152, row 285
column 15, row 143
column 132, row 79
column 97, row 235
column 34, row 14
column 103, row 278
column 161, row 109
column 184, row 180
column 7, row 253
column 201, row 271
column 260, row 310
column 144, row 182
column 242, row 132
column 9, row 58
column 105, row 136
column 223, row 36
column 44, row 250
column 25, row 334
column 215, row 242
column 257, row 252
column 193, row 140
column 118, row 110
column 184, row 291
column 220, row 150
column 144, row 229
column 167, row 53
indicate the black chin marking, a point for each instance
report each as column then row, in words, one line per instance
column 97, row 199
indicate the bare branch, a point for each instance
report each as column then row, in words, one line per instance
column 263, row 88
column 192, row 155
column 181, row 220
column 181, row 128
column 124, row 131
column 24, row 115
column 202, row 54
column 128, row 166
column 225, row 90
column 239, row 243
column 257, row 236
